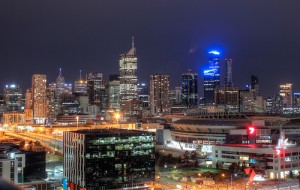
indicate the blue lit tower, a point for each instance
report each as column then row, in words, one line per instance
column 189, row 89
column 211, row 76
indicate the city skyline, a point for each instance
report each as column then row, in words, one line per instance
column 43, row 41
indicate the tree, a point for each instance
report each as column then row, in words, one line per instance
column 196, row 163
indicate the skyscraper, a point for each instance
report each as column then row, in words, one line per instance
column 39, row 99
column 12, row 97
column 189, row 89
column 228, row 77
column 211, row 76
column 128, row 80
column 159, row 94
column 80, row 85
column 96, row 90
column 114, row 92
column 255, row 85
column 286, row 92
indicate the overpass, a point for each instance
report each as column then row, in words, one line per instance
column 54, row 144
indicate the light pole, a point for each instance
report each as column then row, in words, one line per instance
column 117, row 116
column 77, row 118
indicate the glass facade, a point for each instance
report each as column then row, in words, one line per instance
column 111, row 158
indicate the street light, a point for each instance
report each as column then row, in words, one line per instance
column 117, row 116
column 77, row 118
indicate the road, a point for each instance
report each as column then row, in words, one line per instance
column 46, row 140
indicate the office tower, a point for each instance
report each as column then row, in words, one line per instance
column 159, row 94
column 97, row 90
column 189, row 89
column 228, row 77
column 39, row 98
column 211, row 77
column 68, row 104
column 247, row 101
column 269, row 105
column 286, row 92
column 178, row 95
column 228, row 97
column 255, row 85
column 297, row 99
column 108, row 158
column 114, row 92
column 143, row 94
column 80, row 86
column 12, row 97
column 128, row 80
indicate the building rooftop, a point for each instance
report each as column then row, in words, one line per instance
column 111, row 131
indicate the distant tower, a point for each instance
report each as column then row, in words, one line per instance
column 80, row 86
column 228, row 77
column 39, row 98
column 128, row 80
column 159, row 94
column 255, row 85
column 211, row 77
column 286, row 93
column 189, row 89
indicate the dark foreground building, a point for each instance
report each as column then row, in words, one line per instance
column 108, row 158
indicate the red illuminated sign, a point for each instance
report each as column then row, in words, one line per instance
column 278, row 152
column 251, row 131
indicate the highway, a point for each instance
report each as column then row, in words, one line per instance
column 55, row 144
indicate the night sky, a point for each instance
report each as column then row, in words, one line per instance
column 262, row 38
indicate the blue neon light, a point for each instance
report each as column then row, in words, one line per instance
column 214, row 52
column 209, row 71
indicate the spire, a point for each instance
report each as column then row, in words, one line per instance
column 80, row 74
column 60, row 71
column 133, row 42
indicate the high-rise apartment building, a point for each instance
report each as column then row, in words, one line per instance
column 12, row 97
column 128, row 80
column 286, row 92
column 189, row 89
column 228, row 72
column 108, row 159
column 211, row 77
column 39, row 98
column 159, row 94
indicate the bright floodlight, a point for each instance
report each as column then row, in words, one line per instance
column 117, row 115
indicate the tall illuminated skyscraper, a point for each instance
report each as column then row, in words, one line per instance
column 39, row 99
column 228, row 77
column 286, row 92
column 159, row 94
column 128, row 79
column 189, row 89
column 211, row 77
